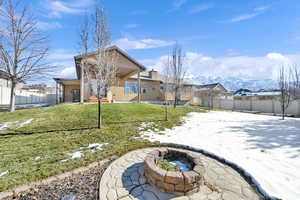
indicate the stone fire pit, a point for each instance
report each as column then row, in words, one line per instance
column 174, row 182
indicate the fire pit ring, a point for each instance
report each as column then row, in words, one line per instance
column 174, row 182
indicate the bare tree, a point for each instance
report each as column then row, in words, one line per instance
column 167, row 85
column 23, row 47
column 84, row 46
column 295, row 72
column 284, row 83
column 178, row 71
column 105, row 69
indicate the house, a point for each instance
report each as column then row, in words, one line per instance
column 5, row 81
column 133, row 84
column 126, row 88
column 245, row 94
column 208, row 92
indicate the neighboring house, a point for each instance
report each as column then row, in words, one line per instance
column 133, row 83
column 245, row 94
column 5, row 82
column 125, row 88
column 24, row 95
column 207, row 93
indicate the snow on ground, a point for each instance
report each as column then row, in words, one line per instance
column 5, row 126
column 76, row 154
column 265, row 146
column 146, row 125
column 3, row 173
column 95, row 147
column 92, row 147
column 28, row 121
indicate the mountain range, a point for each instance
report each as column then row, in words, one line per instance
column 236, row 83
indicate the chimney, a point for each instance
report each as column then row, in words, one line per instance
column 153, row 74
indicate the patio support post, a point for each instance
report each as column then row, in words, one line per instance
column 56, row 92
column 82, row 84
column 139, row 87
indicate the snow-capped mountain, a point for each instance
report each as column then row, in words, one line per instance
column 235, row 83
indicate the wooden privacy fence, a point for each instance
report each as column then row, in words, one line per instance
column 25, row 97
column 263, row 106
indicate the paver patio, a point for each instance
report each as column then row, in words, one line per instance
column 124, row 180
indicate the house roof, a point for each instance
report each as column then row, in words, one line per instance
column 79, row 57
column 210, row 86
column 66, row 81
column 4, row 75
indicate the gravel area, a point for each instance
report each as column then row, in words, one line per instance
column 84, row 186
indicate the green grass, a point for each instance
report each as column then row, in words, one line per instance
column 55, row 132
column 166, row 165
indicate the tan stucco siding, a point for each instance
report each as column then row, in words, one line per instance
column 150, row 91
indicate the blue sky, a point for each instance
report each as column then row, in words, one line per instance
column 244, row 38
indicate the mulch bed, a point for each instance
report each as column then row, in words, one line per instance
column 83, row 186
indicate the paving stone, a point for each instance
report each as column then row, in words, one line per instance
column 198, row 196
column 182, row 198
column 136, row 192
column 68, row 197
column 125, row 179
column 111, row 194
column 228, row 195
column 122, row 192
column 149, row 196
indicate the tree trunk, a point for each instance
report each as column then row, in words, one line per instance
column 12, row 105
column 99, row 113
column 175, row 99
column 166, row 111
column 82, row 83
column 283, row 111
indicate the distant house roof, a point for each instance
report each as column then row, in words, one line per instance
column 79, row 57
column 66, row 81
column 253, row 93
column 4, row 75
column 210, row 86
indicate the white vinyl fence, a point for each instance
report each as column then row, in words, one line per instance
column 26, row 97
column 263, row 106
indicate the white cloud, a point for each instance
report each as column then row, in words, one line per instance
column 68, row 72
column 256, row 12
column 261, row 8
column 178, row 3
column 259, row 67
column 232, row 52
column 48, row 25
column 244, row 17
column 131, row 25
column 58, row 8
column 63, row 60
column 126, row 43
column 277, row 56
column 201, row 7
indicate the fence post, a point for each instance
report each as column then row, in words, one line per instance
column 298, row 114
column 1, row 96
column 273, row 107
column 233, row 106
column 251, row 104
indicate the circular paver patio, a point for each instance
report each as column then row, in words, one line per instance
column 124, row 179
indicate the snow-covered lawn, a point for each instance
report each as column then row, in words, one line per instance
column 265, row 146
